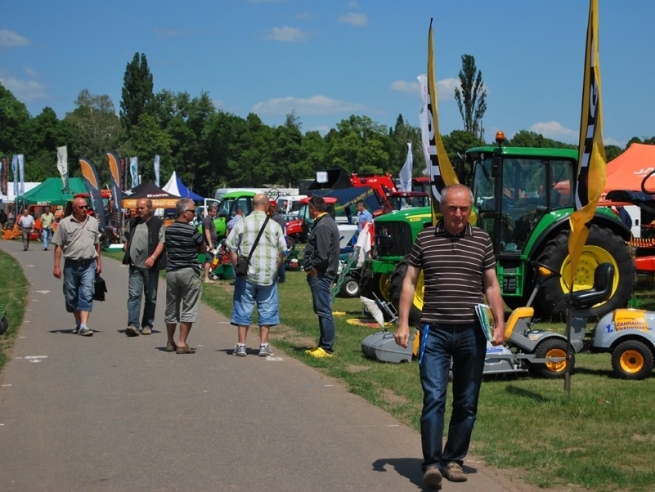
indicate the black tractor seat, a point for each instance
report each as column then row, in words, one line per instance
column 600, row 292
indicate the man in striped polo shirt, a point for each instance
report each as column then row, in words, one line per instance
column 183, row 287
column 458, row 267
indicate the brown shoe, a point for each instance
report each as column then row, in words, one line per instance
column 454, row 472
column 432, row 478
column 171, row 347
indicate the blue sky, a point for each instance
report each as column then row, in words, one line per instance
column 328, row 59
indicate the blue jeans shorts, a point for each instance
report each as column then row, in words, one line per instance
column 79, row 277
column 246, row 294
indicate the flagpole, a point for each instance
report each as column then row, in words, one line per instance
column 569, row 321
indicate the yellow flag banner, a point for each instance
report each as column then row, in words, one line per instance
column 440, row 169
column 591, row 157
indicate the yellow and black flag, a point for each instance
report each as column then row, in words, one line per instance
column 440, row 170
column 591, row 154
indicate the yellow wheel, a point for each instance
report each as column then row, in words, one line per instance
column 632, row 359
column 552, row 348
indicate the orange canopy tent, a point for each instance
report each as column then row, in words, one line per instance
column 628, row 170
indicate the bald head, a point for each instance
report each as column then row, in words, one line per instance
column 260, row 202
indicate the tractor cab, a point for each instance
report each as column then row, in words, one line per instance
column 513, row 188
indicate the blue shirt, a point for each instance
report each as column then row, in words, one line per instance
column 363, row 217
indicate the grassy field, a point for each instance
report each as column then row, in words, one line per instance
column 601, row 438
column 13, row 295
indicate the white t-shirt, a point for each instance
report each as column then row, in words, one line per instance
column 26, row 221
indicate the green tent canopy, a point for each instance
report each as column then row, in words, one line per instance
column 49, row 192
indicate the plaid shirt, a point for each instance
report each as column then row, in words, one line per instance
column 263, row 264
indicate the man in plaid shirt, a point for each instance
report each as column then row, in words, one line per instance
column 260, row 285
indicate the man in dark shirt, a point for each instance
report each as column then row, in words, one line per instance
column 144, row 250
column 321, row 262
column 458, row 266
column 183, row 285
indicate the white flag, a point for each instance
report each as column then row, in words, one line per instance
column 62, row 166
column 157, row 170
column 21, row 172
column 406, row 171
column 14, row 170
column 424, row 121
column 134, row 171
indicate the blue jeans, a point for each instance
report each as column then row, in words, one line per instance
column 79, row 277
column 142, row 281
column 47, row 234
column 321, row 288
column 246, row 294
column 467, row 346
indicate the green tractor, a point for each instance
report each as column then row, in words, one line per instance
column 523, row 198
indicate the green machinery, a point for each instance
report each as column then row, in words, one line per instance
column 523, row 198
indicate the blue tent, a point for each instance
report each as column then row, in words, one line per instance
column 176, row 187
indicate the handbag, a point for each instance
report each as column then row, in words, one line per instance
column 99, row 289
column 241, row 268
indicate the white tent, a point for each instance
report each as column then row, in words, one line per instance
column 10, row 197
column 176, row 187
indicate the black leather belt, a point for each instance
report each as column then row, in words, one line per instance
column 80, row 262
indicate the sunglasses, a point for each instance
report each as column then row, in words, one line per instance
column 82, row 206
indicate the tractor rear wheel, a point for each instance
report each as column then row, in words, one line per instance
column 602, row 246
column 396, row 285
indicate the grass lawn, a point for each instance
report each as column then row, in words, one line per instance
column 13, row 295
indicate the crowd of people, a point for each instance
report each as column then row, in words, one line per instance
column 455, row 258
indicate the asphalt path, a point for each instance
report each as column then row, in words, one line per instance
column 115, row 413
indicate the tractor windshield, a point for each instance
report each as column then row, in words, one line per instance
column 511, row 200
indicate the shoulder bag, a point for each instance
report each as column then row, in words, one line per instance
column 241, row 270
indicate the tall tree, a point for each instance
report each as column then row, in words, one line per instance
column 14, row 119
column 96, row 129
column 471, row 99
column 137, row 95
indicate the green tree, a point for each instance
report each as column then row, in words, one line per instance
column 149, row 140
column 359, row 145
column 402, row 133
column 612, row 152
column 286, row 152
column 526, row 138
column 471, row 100
column 14, row 119
column 95, row 130
column 45, row 133
column 137, row 95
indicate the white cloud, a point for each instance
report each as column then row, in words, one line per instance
column 172, row 33
column 11, row 38
column 24, row 90
column 411, row 88
column 305, row 16
column 354, row 19
column 302, row 107
column 554, row 130
column 287, row 34
column 613, row 141
column 31, row 72
column 445, row 88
